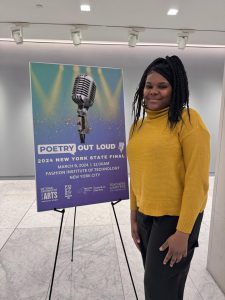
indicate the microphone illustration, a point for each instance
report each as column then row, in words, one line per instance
column 83, row 95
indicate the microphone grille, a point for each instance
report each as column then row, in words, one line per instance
column 93, row 91
column 84, row 88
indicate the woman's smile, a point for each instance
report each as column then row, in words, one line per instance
column 157, row 92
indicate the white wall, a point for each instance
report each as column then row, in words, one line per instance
column 204, row 68
column 216, row 258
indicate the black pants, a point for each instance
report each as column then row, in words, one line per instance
column 162, row 282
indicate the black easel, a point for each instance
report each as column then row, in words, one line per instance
column 112, row 203
column 74, row 220
column 131, row 277
column 57, row 249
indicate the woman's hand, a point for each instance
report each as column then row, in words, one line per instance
column 177, row 244
column 134, row 228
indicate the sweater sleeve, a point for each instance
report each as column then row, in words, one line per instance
column 195, row 143
column 133, row 202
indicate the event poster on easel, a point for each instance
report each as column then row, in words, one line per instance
column 79, row 135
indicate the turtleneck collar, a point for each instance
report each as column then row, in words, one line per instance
column 154, row 114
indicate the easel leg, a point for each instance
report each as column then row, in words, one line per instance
column 57, row 250
column 114, row 203
column 74, row 220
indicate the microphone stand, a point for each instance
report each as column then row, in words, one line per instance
column 82, row 123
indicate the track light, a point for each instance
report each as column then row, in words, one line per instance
column 76, row 36
column 133, row 38
column 17, row 34
column 182, row 39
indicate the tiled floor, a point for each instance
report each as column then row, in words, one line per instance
column 99, row 272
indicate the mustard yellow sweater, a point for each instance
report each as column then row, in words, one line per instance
column 169, row 170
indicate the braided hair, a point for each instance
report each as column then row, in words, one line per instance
column 180, row 92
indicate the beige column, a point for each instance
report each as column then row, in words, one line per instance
column 216, row 253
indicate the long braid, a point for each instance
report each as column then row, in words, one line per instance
column 180, row 91
column 180, row 96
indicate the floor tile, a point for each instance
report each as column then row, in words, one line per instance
column 190, row 292
column 13, row 208
column 97, row 214
column 122, row 210
column 26, row 262
column 34, row 219
column 135, row 263
column 99, row 271
column 4, row 235
column 96, row 273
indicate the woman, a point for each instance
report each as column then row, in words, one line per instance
column 169, row 154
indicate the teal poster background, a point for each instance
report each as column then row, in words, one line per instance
column 69, row 173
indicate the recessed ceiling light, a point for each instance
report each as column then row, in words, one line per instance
column 172, row 12
column 85, row 7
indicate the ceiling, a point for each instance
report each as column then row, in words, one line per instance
column 109, row 21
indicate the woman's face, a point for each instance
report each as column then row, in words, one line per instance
column 157, row 92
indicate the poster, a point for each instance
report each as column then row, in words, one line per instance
column 79, row 135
